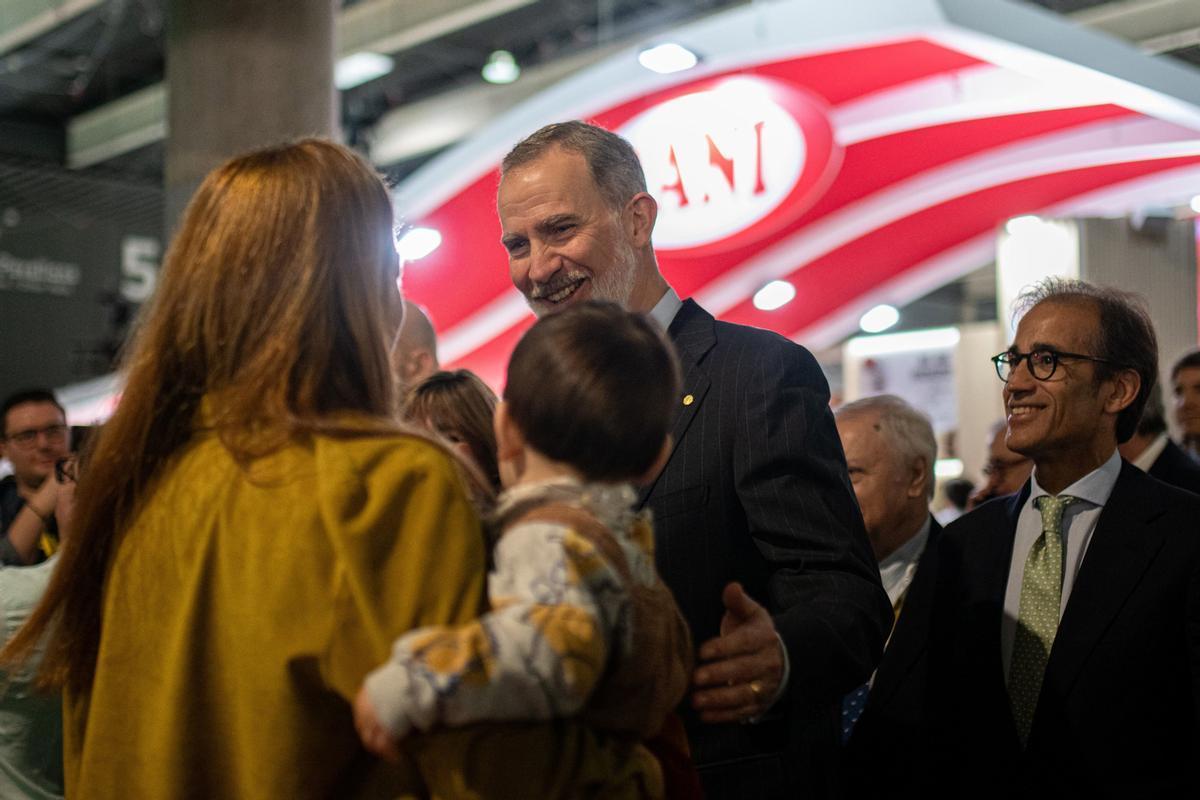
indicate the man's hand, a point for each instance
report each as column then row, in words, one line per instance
column 741, row 670
column 375, row 737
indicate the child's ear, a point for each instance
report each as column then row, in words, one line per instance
column 659, row 462
column 510, row 442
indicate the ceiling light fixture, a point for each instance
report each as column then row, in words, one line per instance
column 501, row 67
column 357, row 69
column 879, row 319
column 1196, row 204
column 667, row 58
column 908, row 342
column 416, row 243
column 1023, row 224
column 775, row 294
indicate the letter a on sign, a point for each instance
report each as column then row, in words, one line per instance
column 727, row 157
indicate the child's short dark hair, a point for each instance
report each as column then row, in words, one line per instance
column 595, row 387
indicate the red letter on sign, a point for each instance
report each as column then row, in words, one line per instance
column 717, row 159
column 677, row 186
column 759, row 186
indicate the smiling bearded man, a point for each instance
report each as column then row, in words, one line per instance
column 1065, row 653
column 757, row 532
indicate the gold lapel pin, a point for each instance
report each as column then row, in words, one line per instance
column 688, row 399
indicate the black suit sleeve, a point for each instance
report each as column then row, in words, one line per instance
column 790, row 476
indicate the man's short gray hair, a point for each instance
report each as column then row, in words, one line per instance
column 612, row 161
column 905, row 428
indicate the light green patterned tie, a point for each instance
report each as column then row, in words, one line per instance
column 1037, row 621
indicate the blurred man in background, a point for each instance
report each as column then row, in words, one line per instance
column 414, row 358
column 1005, row 471
column 33, row 438
column 890, row 452
column 1185, row 381
column 1152, row 451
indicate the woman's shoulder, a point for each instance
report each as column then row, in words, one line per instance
column 367, row 453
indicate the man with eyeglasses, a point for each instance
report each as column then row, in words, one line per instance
column 1065, row 650
column 1005, row 471
column 34, row 437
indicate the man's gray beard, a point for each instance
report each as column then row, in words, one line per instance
column 614, row 285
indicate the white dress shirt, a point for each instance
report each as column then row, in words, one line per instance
column 897, row 570
column 666, row 308
column 1078, row 525
column 1146, row 460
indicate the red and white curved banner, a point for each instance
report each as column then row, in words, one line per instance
column 862, row 168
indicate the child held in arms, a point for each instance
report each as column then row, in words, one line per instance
column 580, row 622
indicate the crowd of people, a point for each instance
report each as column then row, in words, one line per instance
column 300, row 560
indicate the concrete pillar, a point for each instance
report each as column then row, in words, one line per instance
column 241, row 75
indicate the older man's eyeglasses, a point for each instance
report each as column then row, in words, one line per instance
column 1042, row 363
column 55, row 434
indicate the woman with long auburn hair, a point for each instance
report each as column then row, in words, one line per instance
column 254, row 528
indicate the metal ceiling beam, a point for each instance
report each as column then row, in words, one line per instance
column 381, row 26
column 416, row 129
column 1157, row 26
column 22, row 21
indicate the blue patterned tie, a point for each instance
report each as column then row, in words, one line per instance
column 852, row 708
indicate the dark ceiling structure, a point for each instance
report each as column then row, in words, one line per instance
column 99, row 53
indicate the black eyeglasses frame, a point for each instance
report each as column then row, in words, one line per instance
column 1012, row 360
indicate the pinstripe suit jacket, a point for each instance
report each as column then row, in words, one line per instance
column 756, row 491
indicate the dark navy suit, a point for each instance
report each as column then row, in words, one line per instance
column 888, row 752
column 756, row 491
column 1119, row 710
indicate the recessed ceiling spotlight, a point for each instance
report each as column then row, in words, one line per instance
column 501, row 67
column 358, row 68
column 416, row 243
column 775, row 294
column 879, row 319
column 1024, row 223
column 667, row 58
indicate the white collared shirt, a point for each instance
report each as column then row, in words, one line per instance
column 1146, row 460
column 666, row 308
column 897, row 570
column 1079, row 523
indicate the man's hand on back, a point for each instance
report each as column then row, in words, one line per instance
column 741, row 670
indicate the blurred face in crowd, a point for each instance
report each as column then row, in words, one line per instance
column 565, row 244
column 35, row 436
column 1006, row 471
column 1066, row 424
column 891, row 489
column 1187, row 400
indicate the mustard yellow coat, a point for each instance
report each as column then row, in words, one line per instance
column 243, row 609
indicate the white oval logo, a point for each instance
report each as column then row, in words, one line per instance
column 717, row 161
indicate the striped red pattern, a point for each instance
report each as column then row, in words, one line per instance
column 899, row 201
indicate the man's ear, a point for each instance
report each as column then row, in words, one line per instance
column 918, row 482
column 1126, row 385
column 659, row 462
column 640, row 213
column 510, row 442
column 417, row 361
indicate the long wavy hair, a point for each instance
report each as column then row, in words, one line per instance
column 277, row 305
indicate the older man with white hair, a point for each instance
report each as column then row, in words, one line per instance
column 890, row 451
